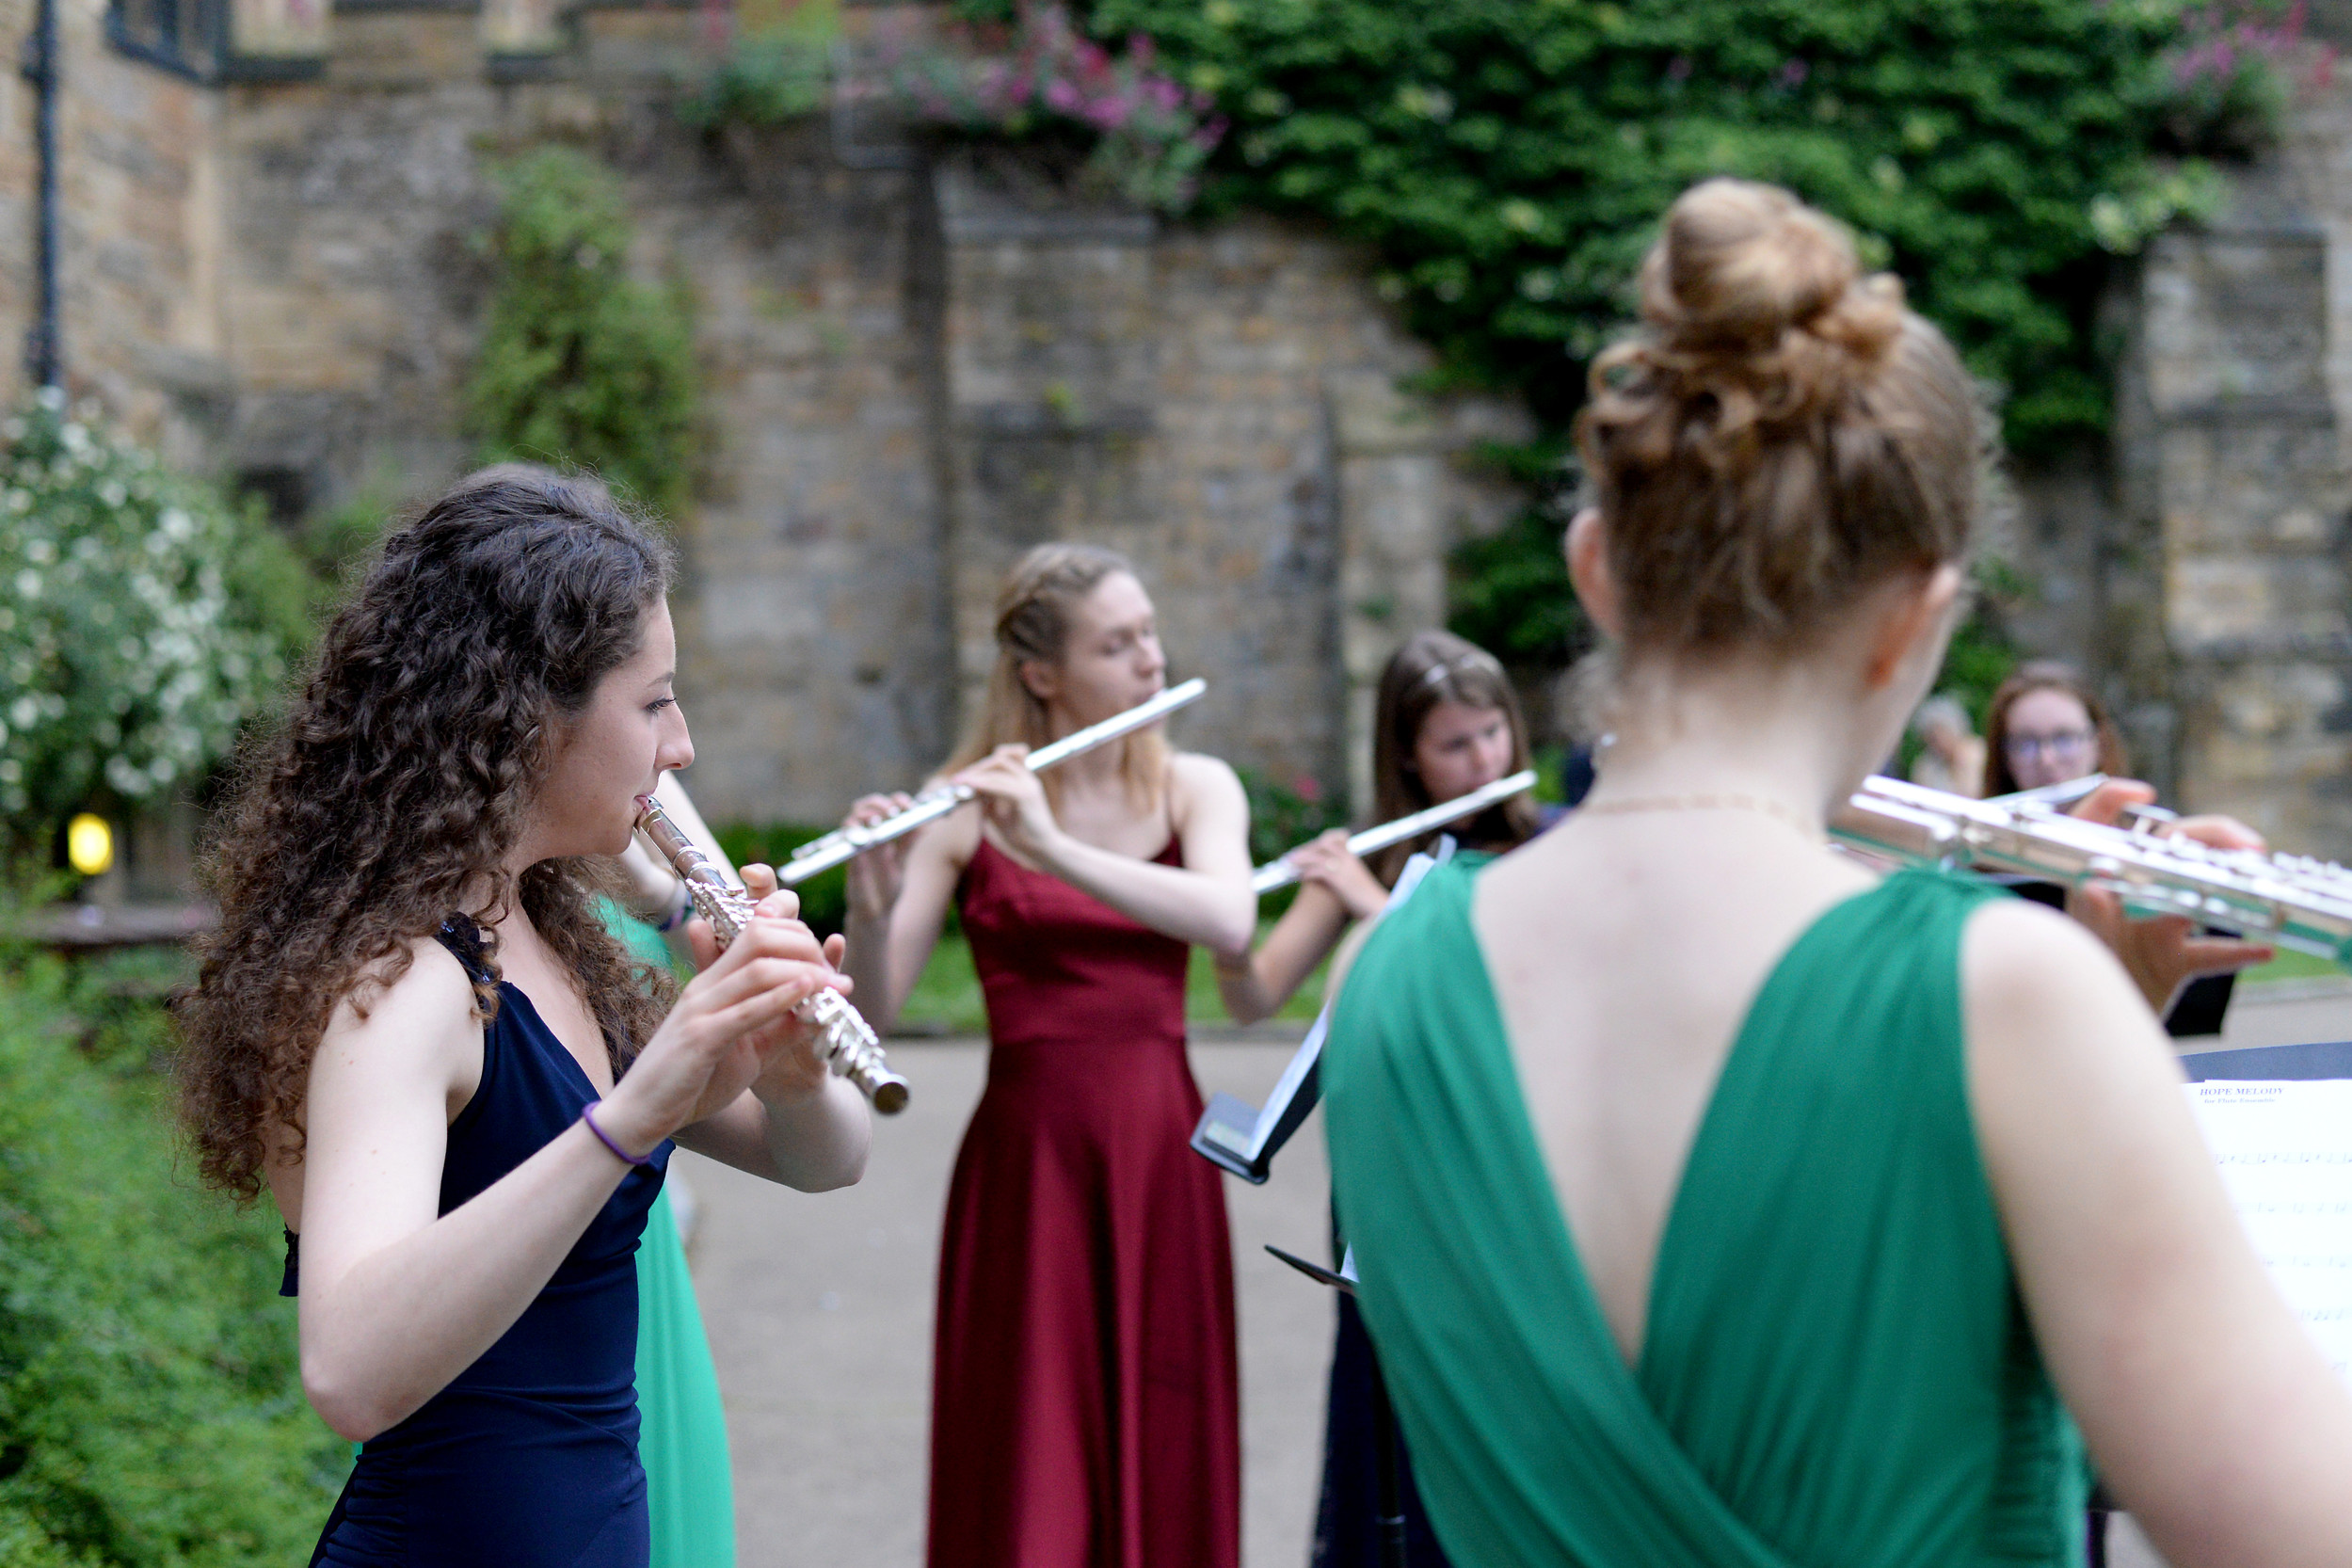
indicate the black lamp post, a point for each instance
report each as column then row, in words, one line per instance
column 40, row 70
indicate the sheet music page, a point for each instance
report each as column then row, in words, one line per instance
column 2285, row 1153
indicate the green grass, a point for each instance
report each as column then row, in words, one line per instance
column 948, row 995
column 2291, row 965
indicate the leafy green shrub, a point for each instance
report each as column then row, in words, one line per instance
column 142, row 620
column 1285, row 815
column 150, row 1407
column 1510, row 594
column 1509, row 160
column 764, row 81
column 581, row 364
column 824, row 899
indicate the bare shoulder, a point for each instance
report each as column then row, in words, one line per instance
column 2026, row 966
column 431, row 1000
column 1196, row 778
column 2052, row 1019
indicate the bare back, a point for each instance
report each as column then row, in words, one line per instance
column 1625, row 952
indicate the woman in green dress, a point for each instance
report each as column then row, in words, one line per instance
column 1716, row 1205
column 689, row 1486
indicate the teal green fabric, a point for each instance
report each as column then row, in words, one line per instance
column 682, row 1438
column 682, row 1441
column 1836, row 1370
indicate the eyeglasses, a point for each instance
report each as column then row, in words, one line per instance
column 2061, row 744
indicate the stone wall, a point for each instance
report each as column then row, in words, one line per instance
column 2198, row 572
column 141, row 249
column 912, row 371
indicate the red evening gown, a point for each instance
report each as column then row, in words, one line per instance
column 1086, row 1398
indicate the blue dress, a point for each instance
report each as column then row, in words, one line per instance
column 528, row 1458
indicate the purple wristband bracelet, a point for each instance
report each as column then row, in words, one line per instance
column 587, row 1114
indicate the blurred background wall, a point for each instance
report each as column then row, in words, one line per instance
column 913, row 366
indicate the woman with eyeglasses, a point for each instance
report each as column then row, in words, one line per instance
column 2045, row 726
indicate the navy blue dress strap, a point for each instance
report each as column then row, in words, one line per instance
column 463, row 939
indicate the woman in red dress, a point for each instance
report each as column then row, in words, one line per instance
column 1085, row 1395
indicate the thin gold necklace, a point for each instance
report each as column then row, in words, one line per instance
column 1710, row 802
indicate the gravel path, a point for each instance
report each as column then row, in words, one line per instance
column 820, row 1308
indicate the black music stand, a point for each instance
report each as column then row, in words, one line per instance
column 1234, row 1135
column 1388, row 1488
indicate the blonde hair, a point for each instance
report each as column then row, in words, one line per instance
column 1782, row 436
column 1033, row 606
column 1433, row 668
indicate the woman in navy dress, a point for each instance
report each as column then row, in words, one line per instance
column 412, row 1027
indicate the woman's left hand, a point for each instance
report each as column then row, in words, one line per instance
column 2161, row 952
column 1013, row 800
column 1326, row 861
column 791, row 1069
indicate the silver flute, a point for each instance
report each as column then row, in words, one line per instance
column 2292, row 900
column 1282, row 872
column 845, row 844
column 846, row 1040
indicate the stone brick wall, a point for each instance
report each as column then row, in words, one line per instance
column 141, row 252
column 2199, row 572
column 912, row 371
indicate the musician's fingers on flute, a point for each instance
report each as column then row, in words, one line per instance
column 1327, row 862
column 1007, row 787
column 771, row 899
column 868, row 810
column 2107, row 803
column 2223, row 954
column 2216, row 831
column 2161, row 952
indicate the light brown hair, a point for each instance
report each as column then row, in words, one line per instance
column 2045, row 675
column 1033, row 614
column 1433, row 668
column 1782, row 436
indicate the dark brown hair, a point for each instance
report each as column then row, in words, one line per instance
column 398, row 783
column 1033, row 605
column 1433, row 668
column 2045, row 675
column 1783, row 435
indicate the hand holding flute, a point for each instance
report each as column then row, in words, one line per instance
column 845, row 1040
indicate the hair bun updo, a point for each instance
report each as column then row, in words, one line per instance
column 1782, row 435
column 1753, row 293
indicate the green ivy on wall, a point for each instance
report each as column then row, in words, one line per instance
column 580, row 362
column 1509, row 158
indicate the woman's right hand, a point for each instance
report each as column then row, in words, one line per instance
column 1326, row 862
column 2161, row 952
column 729, row 1023
column 875, row 877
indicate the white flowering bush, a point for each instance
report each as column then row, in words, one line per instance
column 142, row 620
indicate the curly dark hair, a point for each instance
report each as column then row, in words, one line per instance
column 397, row 784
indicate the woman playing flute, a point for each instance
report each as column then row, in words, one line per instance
column 1085, row 1408
column 1446, row 722
column 413, row 1029
column 1714, row 1204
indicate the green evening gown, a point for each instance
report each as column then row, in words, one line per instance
column 1836, row 1369
column 682, row 1439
